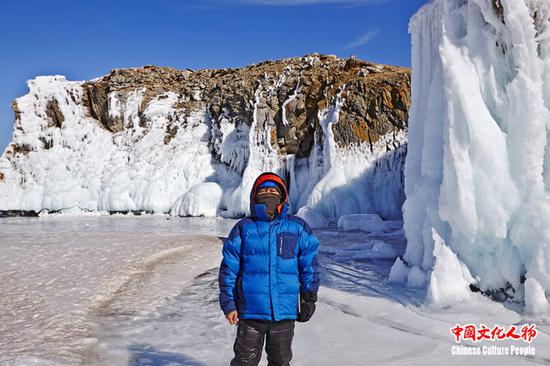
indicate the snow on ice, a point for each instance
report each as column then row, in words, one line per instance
column 146, row 292
column 366, row 222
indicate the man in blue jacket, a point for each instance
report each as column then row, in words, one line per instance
column 269, row 275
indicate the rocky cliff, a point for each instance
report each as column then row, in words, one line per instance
column 161, row 139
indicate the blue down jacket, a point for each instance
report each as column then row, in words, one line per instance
column 267, row 263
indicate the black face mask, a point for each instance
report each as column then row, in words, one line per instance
column 270, row 201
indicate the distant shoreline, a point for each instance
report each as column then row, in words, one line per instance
column 32, row 213
column 18, row 213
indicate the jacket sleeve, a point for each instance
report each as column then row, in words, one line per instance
column 308, row 263
column 229, row 270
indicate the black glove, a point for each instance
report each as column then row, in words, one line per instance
column 307, row 306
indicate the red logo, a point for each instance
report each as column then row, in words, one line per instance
column 471, row 332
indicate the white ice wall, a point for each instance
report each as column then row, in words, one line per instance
column 477, row 167
column 90, row 168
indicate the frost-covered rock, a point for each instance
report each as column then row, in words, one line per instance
column 478, row 154
column 373, row 249
column 380, row 250
column 139, row 139
column 202, row 199
column 371, row 223
column 399, row 272
column 314, row 219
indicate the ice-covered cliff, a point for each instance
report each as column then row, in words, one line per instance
column 192, row 142
column 477, row 171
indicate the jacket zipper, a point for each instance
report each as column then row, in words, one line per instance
column 270, row 298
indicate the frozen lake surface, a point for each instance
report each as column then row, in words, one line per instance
column 142, row 290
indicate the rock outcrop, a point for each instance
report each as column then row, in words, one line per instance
column 377, row 97
column 292, row 103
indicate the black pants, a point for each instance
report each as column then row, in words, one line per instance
column 250, row 342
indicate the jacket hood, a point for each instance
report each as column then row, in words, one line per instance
column 255, row 209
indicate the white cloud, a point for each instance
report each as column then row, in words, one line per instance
column 362, row 40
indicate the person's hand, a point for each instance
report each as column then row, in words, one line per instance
column 307, row 306
column 232, row 317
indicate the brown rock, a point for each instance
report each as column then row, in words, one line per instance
column 54, row 113
column 376, row 97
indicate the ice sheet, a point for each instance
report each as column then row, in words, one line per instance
column 57, row 272
column 100, row 290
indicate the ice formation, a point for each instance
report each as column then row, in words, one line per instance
column 205, row 169
column 477, row 167
column 365, row 222
column 450, row 278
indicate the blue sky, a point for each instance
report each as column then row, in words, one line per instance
column 85, row 39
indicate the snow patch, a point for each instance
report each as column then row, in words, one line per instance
column 314, row 219
column 202, row 199
column 365, row 222
column 450, row 279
